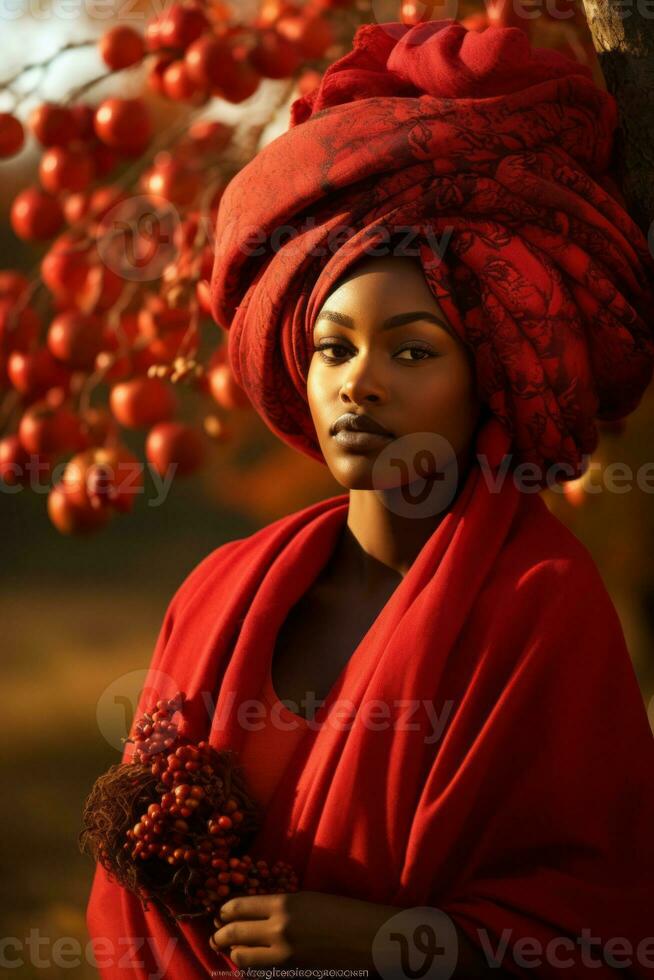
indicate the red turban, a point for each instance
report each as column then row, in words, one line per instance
column 445, row 131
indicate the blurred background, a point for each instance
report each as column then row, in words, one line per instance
column 79, row 611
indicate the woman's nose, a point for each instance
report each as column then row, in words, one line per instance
column 363, row 381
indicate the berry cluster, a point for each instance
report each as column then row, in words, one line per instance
column 182, row 836
column 114, row 330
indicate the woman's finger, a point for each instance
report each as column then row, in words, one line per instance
column 248, row 933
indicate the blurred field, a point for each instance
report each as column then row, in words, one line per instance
column 75, row 615
column 62, row 646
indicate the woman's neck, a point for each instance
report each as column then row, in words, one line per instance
column 386, row 530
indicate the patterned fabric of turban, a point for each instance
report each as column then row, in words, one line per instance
column 497, row 157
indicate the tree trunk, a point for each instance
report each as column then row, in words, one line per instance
column 623, row 34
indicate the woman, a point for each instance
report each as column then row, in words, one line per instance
column 461, row 770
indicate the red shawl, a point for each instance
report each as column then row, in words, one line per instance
column 529, row 814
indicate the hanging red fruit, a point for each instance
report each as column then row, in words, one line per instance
column 76, row 339
column 312, row 35
column 219, row 64
column 70, row 518
column 124, row 125
column 65, row 169
column 53, row 125
column 173, row 180
column 12, row 284
column 12, row 135
column 34, row 372
column 36, row 215
column 225, row 390
column 19, row 329
column 121, row 47
column 180, row 25
column 178, row 85
column 274, row 56
column 103, row 477
column 83, row 113
column 13, row 459
column 175, row 445
column 65, row 265
column 142, row 402
column 49, row 430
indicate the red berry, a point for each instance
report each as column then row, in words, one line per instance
column 65, row 266
column 225, row 390
column 12, row 135
column 65, row 169
column 12, row 284
column 124, row 125
column 33, row 372
column 44, row 429
column 142, row 402
column 312, row 35
column 70, row 519
column 76, row 339
column 175, row 445
column 83, row 114
column 274, row 56
column 12, row 460
column 179, row 26
column 178, row 85
column 18, row 328
column 121, row 47
column 35, row 215
column 53, row 125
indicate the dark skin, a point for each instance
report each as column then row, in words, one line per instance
column 413, row 378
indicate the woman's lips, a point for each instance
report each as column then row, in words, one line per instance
column 363, row 441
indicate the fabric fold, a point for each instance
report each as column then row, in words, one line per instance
column 485, row 750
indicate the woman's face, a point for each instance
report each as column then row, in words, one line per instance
column 413, row 377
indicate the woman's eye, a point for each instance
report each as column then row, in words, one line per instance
column 422, row 352
column 324, row 347
column 416, row 350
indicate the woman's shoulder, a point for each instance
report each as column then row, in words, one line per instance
column 237, row 554
column 541, row 555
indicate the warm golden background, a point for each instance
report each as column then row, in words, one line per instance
column 77, row 613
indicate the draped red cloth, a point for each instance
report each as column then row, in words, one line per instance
column 510, row 781
column 493, row 161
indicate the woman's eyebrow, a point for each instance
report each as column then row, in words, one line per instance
column 399, row 320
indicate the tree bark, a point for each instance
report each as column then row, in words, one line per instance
column 623, row 35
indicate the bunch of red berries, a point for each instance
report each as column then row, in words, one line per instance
column 174, row 824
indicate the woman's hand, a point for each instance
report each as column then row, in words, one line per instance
column 302, row 929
